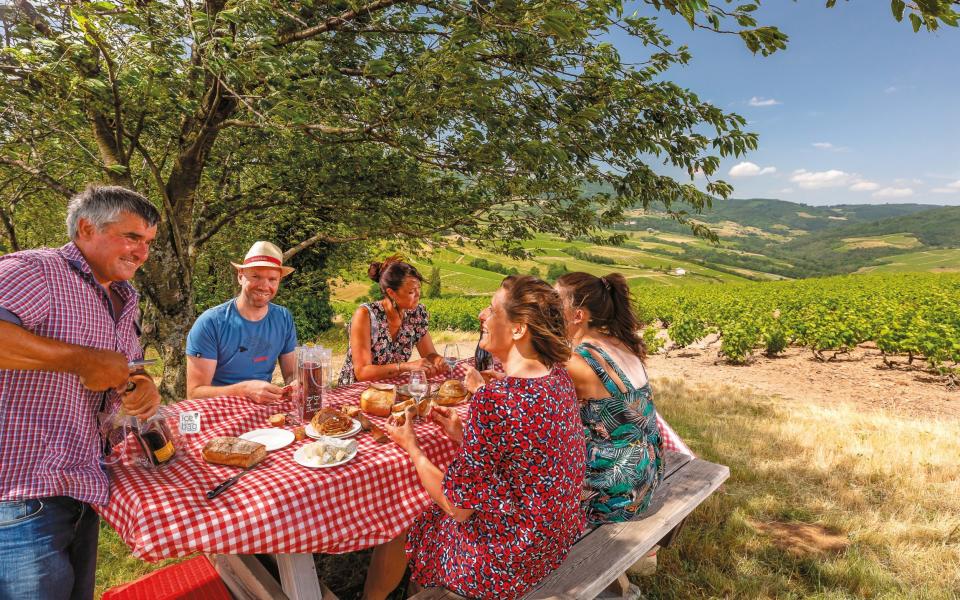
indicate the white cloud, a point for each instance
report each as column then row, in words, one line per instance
column 864, row 186
column 785, row 191
column 903, row 181
column 891, row 90
column 813, row 180
column 890, row 192
column 749, row 169
column 830, row 147
column 761, row 101
column 950, row 188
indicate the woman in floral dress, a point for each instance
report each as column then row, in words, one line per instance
column 624, row 446
column 507, row 509
column 384, row 333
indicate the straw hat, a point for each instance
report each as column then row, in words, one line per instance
column 264, row 254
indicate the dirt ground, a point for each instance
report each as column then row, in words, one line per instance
column 859, row 378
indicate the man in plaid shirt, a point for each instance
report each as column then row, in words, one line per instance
column 68, row 319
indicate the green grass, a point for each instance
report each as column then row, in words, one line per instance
column 115, row 563
column 947, row 259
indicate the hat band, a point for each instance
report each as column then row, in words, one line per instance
column 262, row 258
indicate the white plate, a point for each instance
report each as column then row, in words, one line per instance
column 273, row 438
column 300, row 460
column 349, row 433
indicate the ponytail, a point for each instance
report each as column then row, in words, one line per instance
column 608, row 300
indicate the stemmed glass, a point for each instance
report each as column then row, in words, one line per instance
column 451, row 355
column 418, row 386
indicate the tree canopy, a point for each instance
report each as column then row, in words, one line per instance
column 322, row 124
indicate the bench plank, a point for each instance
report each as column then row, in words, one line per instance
column 609, row 550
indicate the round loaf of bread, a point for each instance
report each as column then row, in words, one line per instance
column 451, row 392
column 377, row 400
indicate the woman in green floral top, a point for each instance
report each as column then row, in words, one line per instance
column 624, row 447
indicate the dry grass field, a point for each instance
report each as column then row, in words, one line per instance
column 824, row 501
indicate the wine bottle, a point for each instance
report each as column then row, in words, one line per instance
column 155, row 440
column 482, row 359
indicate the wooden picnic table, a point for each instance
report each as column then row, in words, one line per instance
column 280, row 508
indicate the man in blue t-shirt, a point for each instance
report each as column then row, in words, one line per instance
column 233, row 348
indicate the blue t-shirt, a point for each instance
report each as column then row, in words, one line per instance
column 243, row 349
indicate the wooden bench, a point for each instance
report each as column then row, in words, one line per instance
column 599, row 561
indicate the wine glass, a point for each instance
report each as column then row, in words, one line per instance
column 451, row 355
column 417, row 386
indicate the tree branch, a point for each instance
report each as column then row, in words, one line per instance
column 334, row 23
column 34, row 18
column 322, row 237
column 310, row 127
column 114, row 89
column 39, row 176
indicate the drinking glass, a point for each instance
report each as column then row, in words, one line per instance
column 326, row 360
column 451, row 355
column 418, row 386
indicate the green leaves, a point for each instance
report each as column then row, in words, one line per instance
column 916, row 314
column 897, row 6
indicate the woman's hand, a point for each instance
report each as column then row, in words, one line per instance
column 491, row 375
column 438, row 363
column 473, row 379
column 403, row 434
column 449, row 420
column 421, row 363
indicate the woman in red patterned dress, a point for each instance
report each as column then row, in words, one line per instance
column 507, row 509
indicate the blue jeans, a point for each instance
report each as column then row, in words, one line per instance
column 48, row 549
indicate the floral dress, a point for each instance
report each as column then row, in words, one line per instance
column 520, row 469
column 624, row 448
column 384, row 349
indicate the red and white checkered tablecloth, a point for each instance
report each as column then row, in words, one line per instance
column 280, row 506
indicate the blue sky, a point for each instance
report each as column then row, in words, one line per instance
column 857, row 109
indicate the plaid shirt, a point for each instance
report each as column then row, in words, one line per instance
column 50, row 444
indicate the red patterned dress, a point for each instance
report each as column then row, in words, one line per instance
column 520, row 468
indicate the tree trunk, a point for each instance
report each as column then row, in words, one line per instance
column 167, row 284
column 167, row 333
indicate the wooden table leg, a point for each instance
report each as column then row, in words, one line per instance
column 298, row 576
column 248, row 579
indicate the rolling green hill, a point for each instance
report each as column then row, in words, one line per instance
column 780, row 215
column 759, row 240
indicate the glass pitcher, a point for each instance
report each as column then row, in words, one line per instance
column 310, row 374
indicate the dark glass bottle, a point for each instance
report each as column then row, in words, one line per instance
column 482, row 359
column 155, row 440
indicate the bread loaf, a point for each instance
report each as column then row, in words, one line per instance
column 451, row 392
column 377, row 400
column 233, row 452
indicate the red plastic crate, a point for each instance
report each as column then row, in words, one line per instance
column 193, row 579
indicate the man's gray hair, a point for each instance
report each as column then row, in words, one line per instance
column 102, row 205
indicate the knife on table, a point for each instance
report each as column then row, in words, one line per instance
column 223, row 486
